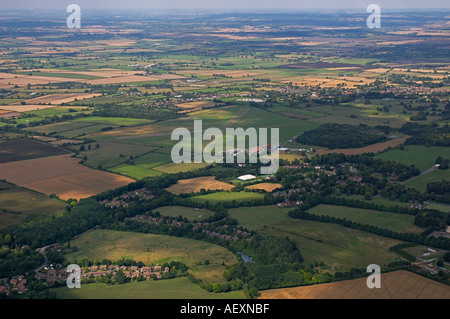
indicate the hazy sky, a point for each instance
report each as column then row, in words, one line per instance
column 223, row 4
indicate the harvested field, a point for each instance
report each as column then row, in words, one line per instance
column 21, row 81
column 196, row 184
column 231, row 73
column 58, row 98
column 374, row 148
column 132, row 78
column 61, row 175
column 268, row 187
column 122, row 79
column 395, row 285
column 319, row 65
column 25, row 108
column 196, row 105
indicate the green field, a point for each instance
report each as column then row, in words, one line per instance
column 110, row 154
column 228, row 197
column 16, row 203
column 119, row 121
column 58, row 128
column 337, row 246
column 376, row 200
column 441, row 207
column 420, row 182
column 59, row 110
column 255, row 218
column 172, row 168
column 154, row 249
column 393, row 221
column 134, row 171
column 188, row 212
column 177, row 288
column 153, row 159
column 420, row 156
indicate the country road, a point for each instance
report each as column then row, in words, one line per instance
column 432, row 168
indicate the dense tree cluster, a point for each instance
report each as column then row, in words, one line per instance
column 334, row 135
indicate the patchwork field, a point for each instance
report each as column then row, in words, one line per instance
column 155, row 249
column 61, row 175
column 177, row 288
column 198, row 183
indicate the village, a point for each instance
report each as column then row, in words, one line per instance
column 58, row 274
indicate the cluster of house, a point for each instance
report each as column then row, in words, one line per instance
column 115, row 203
column 416, row 206
column 51, row 276
column 16, row 284
column 130, row 271
column 236, row 234
column 142, row 193
column 150, row 220
column 287, row 202
column 427, row 264
column 60, row 275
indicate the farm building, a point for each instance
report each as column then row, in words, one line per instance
column 247, row 177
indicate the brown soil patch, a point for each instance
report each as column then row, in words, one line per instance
column 374, row 148
column 58, row 98
column 395, row 285
column 196, row 184
column 26, row 107
column 61, row 175
column 268, row 187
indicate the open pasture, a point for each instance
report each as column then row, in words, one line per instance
column 255, row 218
column 187, row 212
column 420, row 156
column 338, row 247
column 393, row 221
column 16, row 203
column 228, row 197
column 177, row 288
